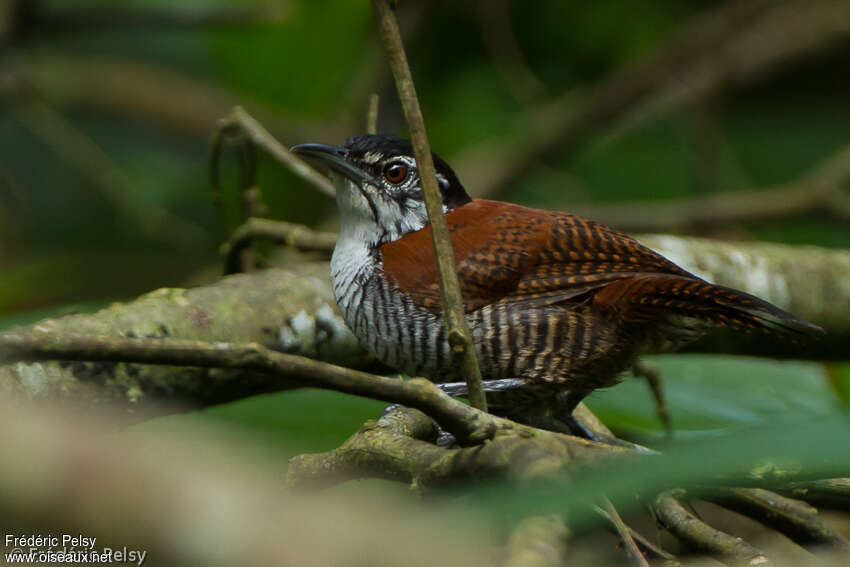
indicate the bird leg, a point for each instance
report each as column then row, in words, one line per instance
column 460, row 388
column 650, row 373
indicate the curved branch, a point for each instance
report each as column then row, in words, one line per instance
column 818, row 192
column 293, row 235
column 240, row 122
column 701, row 537
column 796, row 519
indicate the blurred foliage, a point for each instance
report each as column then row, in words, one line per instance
column 801, row 448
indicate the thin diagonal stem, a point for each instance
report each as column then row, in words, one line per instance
column 457, row 330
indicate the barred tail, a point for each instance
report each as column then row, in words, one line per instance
column 645, row 295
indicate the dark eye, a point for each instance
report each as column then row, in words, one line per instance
column 395, row 172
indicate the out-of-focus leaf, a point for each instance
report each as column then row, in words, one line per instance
column 707, row 393
column 305, row 64
column 777, row 451
column 293, row 422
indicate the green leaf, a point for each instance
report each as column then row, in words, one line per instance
column 709, row 392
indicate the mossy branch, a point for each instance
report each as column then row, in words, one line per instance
column 401, row 446
column 701, row 537
column 470, row 426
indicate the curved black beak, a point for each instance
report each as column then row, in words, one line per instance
column 333, row 158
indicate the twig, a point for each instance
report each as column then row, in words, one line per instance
column 701, row 537
column 649, row 372
column 250, row 195
column 372, row 114
column 820, row 192
column 240, row 121
column 297, row 236
column 640, row 539
column 457, row 329
column 625, row 535
column 796, row 519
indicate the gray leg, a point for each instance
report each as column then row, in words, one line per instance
column 460, row 389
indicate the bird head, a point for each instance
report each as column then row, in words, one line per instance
column 379, row 189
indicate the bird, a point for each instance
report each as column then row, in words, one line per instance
column 558, row 305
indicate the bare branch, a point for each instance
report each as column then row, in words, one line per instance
column 821, row 192
column 372, row 114
column 457, row 329
column 643, row 542
column 240, row 122
column 701, row 537
column 296, row 236
column 625, row 535
column 796, row 519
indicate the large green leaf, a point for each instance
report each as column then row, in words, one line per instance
column 711, row 392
